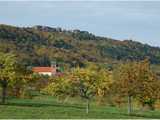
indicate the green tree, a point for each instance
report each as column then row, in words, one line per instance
column 11, row 72
column 7, row 71
column 18, row 83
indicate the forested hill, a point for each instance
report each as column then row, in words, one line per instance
column 39, row 45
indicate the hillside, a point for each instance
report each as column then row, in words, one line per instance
column 39, row 45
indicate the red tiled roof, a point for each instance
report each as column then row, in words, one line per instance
column 43, row 69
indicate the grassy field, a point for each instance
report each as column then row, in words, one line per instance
column 47, row 107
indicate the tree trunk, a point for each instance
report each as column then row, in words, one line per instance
column 151, row 106
column 87, row 106
column 142, row 107
column 4, row 91
column 129, row 105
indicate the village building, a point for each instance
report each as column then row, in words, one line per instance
column 53, row 70
column 45, row 70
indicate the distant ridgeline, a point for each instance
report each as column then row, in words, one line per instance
column 38, row 45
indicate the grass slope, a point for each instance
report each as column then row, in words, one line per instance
column 47, row 107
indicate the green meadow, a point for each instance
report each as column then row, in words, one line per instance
column 46, row 107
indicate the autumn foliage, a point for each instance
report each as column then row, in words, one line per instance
column 129, row 82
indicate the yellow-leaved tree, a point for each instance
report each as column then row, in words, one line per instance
column 84, row 82
column 148, row 85
column 125, row 82
column 136, row 79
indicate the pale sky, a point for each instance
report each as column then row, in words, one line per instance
column 137, row 20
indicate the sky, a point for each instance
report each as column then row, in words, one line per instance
column 137, row 20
